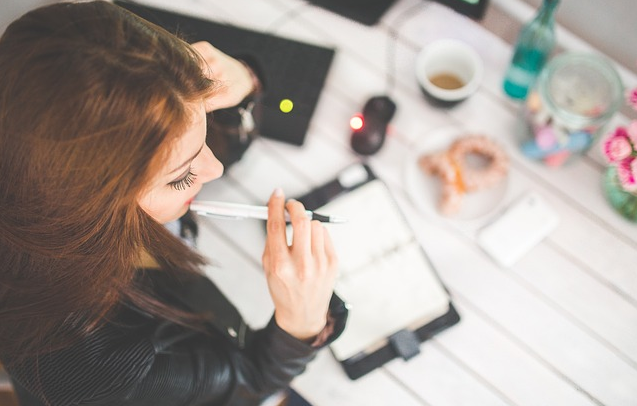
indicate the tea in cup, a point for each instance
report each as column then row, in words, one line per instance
column 448, row 71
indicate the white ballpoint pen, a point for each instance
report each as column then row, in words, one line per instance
column 246, row 211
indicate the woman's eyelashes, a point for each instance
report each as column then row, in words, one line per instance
column 185, row 182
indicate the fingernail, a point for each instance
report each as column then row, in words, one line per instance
column 278, row 192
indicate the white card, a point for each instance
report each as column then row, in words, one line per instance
column 516, row 231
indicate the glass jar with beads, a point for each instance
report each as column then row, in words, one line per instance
column 574, row 97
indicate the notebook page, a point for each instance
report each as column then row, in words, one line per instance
column 383, row 273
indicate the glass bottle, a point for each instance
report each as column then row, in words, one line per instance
column 533, row 46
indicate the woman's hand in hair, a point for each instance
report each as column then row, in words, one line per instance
column 233, row 77
column 300, row 276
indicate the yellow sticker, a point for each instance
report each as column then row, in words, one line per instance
column 286, row 105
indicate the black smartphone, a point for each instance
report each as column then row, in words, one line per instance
column 472, row 8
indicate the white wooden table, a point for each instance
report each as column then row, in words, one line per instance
column 557, row 328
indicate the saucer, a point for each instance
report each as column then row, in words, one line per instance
column 425, row 189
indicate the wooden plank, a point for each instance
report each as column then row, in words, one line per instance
column 248, row 235
column 537, row 326
column 441, row 379
column 492, row 369
column 597, row 307
column 237, row 276
column 325, row 383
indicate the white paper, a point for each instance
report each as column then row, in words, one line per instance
column 384, row 275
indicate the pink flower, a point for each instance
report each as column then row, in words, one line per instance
column 631, row 98
column 627, row 174
column 618, row 146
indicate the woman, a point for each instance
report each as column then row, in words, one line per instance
column 102, row 141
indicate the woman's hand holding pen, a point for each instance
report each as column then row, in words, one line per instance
column 300, row 276
column 233, row 76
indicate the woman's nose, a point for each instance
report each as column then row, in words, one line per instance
column 211, row 168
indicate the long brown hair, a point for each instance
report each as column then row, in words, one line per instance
column 91, row 98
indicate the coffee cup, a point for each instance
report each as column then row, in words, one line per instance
column 448, row 71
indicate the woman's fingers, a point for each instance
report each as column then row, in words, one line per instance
column 311, row 249
column 330, row 252
column 209, row 54
column 276, row 240
column 233, row 77
column 301, row 276
column 318, row 241
column 301, row 237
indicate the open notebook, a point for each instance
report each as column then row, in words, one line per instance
column 396, row 298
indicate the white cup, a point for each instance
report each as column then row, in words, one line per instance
column 448, row 71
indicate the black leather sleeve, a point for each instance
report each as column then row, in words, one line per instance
column 199, row 369
column 172, row 366
column 136, row 360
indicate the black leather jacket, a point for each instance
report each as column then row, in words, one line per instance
column 135, row 359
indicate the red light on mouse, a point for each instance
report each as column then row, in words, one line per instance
column 356, row 122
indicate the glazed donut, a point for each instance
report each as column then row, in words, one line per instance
column 477, row 179
column 456, row 177
column 451, row 194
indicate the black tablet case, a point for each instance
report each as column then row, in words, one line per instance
column 366, row 12
column 289, row 69
column 403, row 344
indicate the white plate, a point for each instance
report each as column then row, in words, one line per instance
column 425, row 189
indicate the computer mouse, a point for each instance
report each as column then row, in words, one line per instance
column 370, row 131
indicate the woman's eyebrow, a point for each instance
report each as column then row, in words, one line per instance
column 188, row 160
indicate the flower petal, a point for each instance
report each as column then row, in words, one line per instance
column 633, row 170
column 617, row 148
column 620, row 131
column 627, row 174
